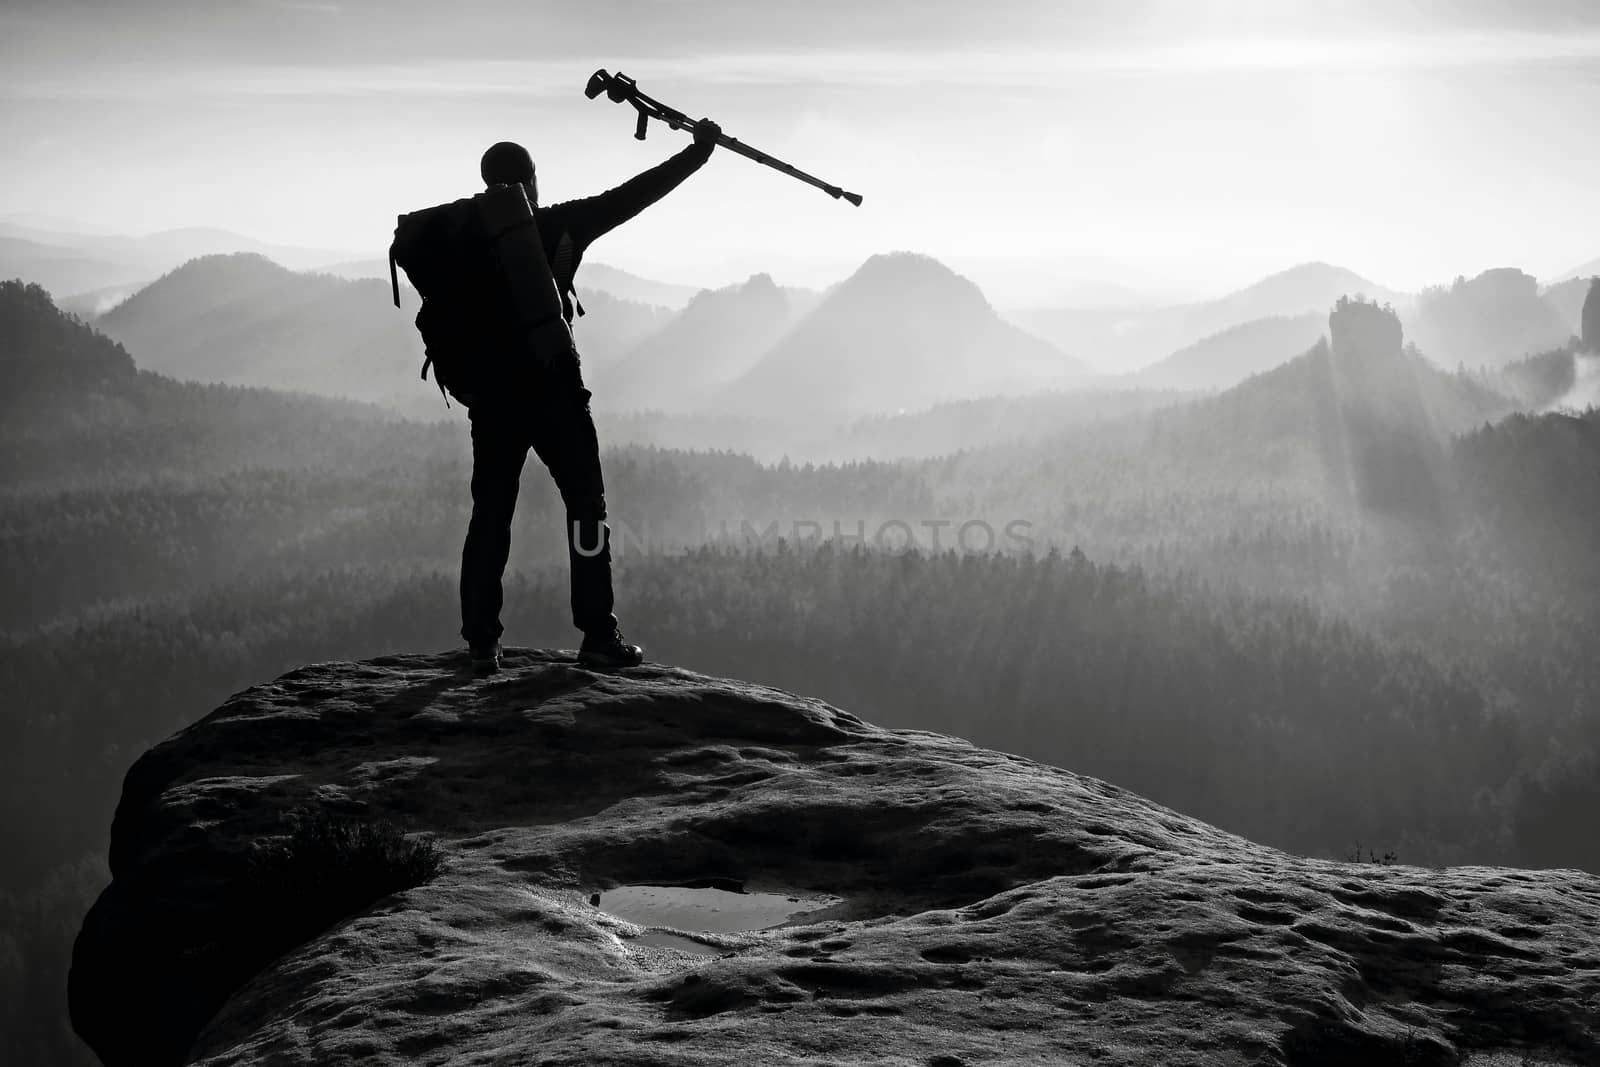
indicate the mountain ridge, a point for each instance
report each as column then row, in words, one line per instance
column 1372, row 414
column 1222, row 360
column 1312, row 286
column 82, row 412
column 1492, row 319
column 1126, row 339
column 243, row 319
column 75, row 263
column 904, row 331
column 716, row 337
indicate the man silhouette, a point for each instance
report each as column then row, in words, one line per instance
column 547, row 410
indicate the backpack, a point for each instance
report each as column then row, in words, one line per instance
column 489, row 303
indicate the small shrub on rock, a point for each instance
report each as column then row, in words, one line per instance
column 326, row 868
column 1388, row 859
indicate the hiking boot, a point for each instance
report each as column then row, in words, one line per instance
column 485, row 658
column 607, row 649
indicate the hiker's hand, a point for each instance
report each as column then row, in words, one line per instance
column 706, row 133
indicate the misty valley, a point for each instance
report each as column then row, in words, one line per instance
column 1313, row 561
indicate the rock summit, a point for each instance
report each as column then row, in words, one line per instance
column 952, row 905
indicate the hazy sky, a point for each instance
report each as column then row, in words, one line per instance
column 1126, row 140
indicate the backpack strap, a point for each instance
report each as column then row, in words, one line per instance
column 427, row 361
column 565, row 268
column 394, row 283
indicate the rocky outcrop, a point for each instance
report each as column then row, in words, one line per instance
column 1488, row 321
column 989, row 909
column 1364, row 333
column 1389, row 442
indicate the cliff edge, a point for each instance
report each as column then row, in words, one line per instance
column 609, row 844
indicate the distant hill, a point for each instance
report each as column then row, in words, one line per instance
column 1359, row 413
column 60, row 270
column 1583, row 270
column 191, row 242
column 1365, row 366
column 244, row 320
column 354, row 269
column 67, row 263
column 1124, row 339
column 903, row 332
column 44, row 352
column 96, row 302
column 1309, row 287
column 1493, row 319
column 612, row 327
column 719, row 336
column 627, row 286
column 1360, row 419
column 77, row 411
column 1225, row 359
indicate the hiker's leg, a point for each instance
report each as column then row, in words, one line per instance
column 565, row 440
column 498, row 452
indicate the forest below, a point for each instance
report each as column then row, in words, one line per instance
column 1350, row 603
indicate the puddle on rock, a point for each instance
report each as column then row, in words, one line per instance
column 662, row 939
column 706, row 910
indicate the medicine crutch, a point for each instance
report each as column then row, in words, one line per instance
column 624, row 90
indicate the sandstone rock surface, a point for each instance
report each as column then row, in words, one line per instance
column 993, row 910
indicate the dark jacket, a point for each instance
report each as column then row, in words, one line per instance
column 567, row 229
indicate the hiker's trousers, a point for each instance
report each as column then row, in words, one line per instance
column 555, row 422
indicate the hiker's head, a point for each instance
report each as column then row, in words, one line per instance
column 505, row 163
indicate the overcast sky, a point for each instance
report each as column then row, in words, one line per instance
column 1138, row 142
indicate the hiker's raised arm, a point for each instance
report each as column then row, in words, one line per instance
column 596, row 215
